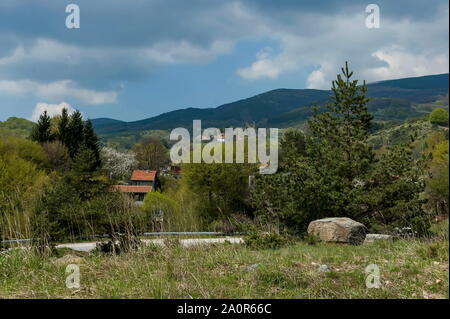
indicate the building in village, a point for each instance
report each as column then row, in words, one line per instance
column 141, row 182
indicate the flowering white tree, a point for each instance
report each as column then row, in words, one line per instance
column 118, row 164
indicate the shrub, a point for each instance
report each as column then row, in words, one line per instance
column 311, row 239
column 225, row 226
column 439, row 116
column 266, row 240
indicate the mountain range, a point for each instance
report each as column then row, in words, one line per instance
column 390, row 100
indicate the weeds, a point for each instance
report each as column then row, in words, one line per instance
column 408, row 269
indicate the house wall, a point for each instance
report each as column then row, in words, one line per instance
column 143, row 183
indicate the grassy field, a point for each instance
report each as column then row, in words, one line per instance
column 408, row 269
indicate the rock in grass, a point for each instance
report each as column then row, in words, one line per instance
column 338, row 230
column 370, row 238
column 324, row 268
column 251, row 268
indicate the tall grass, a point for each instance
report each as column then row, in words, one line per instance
column 408, row 268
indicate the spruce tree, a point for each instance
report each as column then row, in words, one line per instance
column 75, row 133
column 342, row 130
column 338, row 174
column 63, row 128
column 90, row 141
column 42, row 132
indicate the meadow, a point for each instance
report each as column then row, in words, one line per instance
column 408, row 269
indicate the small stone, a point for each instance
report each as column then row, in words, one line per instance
column 324, row 268
column 370, row 238
column 251, row 268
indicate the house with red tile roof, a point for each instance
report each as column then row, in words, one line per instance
column 141, row 182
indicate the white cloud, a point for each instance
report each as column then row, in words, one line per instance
column 52, row 109
column 316, row 79
column 59, row 90
column 183, row 51
column 36, row 59
column 400, row 48
column 404, row 64
column 267, row 66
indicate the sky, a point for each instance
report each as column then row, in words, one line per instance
column 134, row 59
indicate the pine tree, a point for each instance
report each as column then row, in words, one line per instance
column 42, row 132
column 338, row 174
column 63, row 128
column 90, row 141
column 343, row 130
column 75, row 133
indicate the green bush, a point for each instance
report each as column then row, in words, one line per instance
column 439, row 116
column 266, row 240
column 311, row 239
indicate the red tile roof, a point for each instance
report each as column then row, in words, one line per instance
column 132, row 188
column 139, row 175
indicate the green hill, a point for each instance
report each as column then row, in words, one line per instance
column 15, row 126
column 391, row 100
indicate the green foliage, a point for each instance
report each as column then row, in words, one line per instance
column 21, row 182
column 90, row 142
column 69, row 210
column 42, row 131
column 338, row 174
column 156, row 201
column 292, row 144
column 57, row 155
column 220, row 189
column 24, row 149
column 151, row 154
column 77, row 138
column 439, row 116
column 177, row 211
column 17, row 127
column 63, row 133
column 437, row 183
column 286, row 108
column 75, row 135
column 266, row 240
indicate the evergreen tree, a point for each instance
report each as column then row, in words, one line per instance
column 63, row 128
column 42, row 132
column 343, row 130
column 90, row 141
column 75, row 133
column 292, row 145
column 338, row 174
